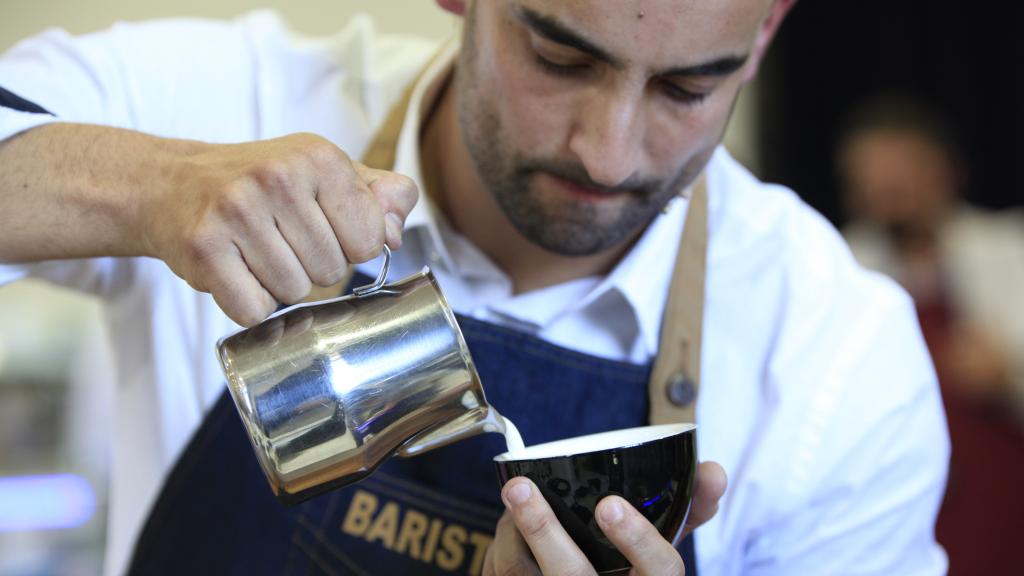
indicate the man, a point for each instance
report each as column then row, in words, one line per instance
column 558, row 150
column 903, row 179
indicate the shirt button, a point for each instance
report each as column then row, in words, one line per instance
column 681, row 390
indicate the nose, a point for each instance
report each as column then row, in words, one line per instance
column 607, row 137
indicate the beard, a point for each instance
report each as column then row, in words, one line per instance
column 563, row 224
column 560, row 223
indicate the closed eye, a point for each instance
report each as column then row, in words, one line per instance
column 560, row 69
column 558, row 59
column 679, row 94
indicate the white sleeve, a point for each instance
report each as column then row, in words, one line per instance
column 871, row 458
column 169, row 78
column 16, row 121
column 76, row 79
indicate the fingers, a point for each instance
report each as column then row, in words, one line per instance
column 285, row 213
column 309, row 234
column 365, row 207
column 274, row 263
column 637, row 539
column 236, row 291
column 711, row 483
column 509, row 554
column 553, row 549
column 352, row 211
column 539, row 532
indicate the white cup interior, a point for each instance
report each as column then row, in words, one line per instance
column 596, row 442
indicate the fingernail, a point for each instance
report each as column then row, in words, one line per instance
column 393, row 229
column 611, row 512
column 518, row 493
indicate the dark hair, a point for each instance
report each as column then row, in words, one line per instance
column 899, row 113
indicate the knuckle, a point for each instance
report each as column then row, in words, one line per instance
column 328, row 276
column 255, row 314
column 634, row 539
column 536, row 526
column 275, row 176
column 364, row 250
column 322, row 152
column 247, row 311
column 294, row 289
column 366, row 245
column 233, row 207
column 252, row 315
column 632, row 534
column 402, row 184
column 200, row 248
column 407, row 190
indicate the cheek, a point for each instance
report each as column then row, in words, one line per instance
column 535, row 110
column 676, row 134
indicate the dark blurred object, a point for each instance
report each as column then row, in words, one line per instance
column 961, row 57
column 902, row 175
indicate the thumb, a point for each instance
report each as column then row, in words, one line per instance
column 397, row 195
column 710, row 486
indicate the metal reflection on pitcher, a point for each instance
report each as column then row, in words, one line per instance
column 328, row 391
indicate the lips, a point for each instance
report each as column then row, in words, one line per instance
column 580, row 191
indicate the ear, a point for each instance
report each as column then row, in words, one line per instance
column 769, row 27
column 457, row 7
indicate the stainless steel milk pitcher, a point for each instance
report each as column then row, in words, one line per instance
column 328, row 391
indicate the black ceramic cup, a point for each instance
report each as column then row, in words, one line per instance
column 652, row 467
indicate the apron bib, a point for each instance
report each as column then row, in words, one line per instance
column 432, row 514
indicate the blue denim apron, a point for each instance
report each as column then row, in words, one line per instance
column 432, row 514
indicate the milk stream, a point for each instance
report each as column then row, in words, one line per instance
column 513, row 441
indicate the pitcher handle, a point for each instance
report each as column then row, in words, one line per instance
column 381, row 277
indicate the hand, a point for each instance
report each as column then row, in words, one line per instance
column 259, row 223
column 977, row 362
column 529, row 539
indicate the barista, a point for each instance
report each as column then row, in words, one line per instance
column 557, row 146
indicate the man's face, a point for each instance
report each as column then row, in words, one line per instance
column 897, row 178
column 584, row 118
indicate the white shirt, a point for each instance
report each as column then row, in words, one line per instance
column 819, row 398
column 982, row 255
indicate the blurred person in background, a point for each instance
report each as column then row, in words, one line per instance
column 197, row 173
column 903, row 180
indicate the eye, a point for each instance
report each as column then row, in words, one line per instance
column 557, row 59
column 679, row 94
column 558, row 68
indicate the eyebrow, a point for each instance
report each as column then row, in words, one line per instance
column 555, row 31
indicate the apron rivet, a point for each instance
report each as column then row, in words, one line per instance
column 681, row 390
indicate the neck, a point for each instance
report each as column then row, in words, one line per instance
column 459, row 193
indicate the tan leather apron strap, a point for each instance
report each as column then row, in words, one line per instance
column 381, row 152
column 675, row 379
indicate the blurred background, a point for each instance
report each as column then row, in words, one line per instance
column 899, row 121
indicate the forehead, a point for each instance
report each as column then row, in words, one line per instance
column 889, row 141
column 658, row 32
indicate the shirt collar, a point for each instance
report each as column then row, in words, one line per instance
column 644, row 274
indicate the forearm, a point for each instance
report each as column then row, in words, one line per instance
column 75, row 190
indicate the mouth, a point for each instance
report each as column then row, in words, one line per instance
column 580, row 191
